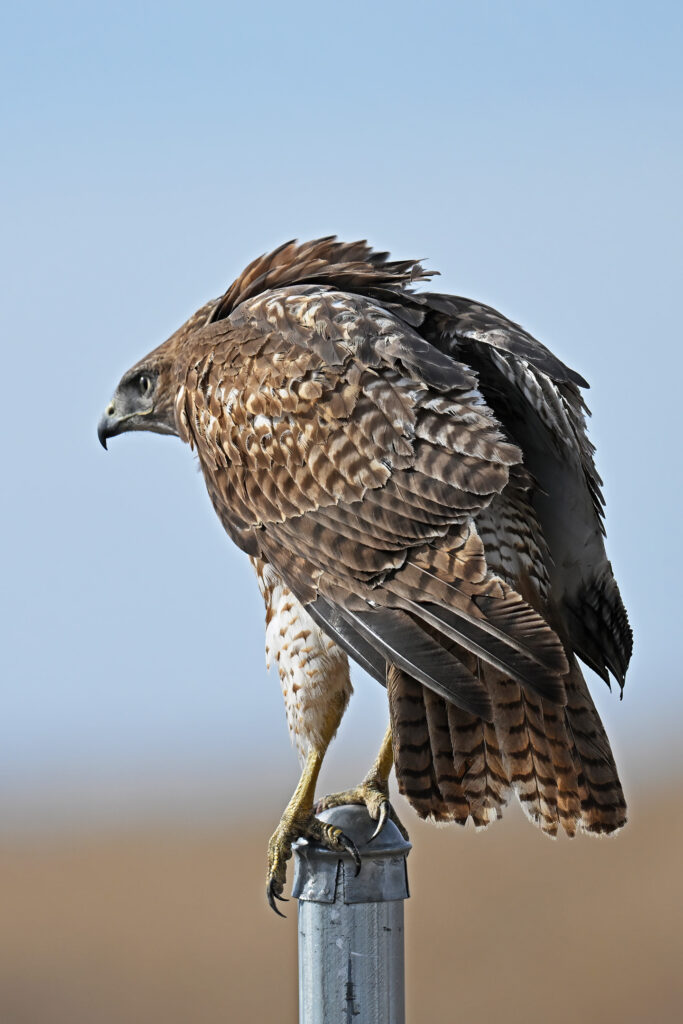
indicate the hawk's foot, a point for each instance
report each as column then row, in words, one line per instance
column 373, row 792
column 300, row 825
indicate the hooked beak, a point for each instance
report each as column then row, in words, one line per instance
column 109, row 425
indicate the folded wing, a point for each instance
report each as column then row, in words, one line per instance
column 355, row 455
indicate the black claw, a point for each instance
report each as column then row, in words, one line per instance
column 352, row 849
column 381, row 820
column 272, row 896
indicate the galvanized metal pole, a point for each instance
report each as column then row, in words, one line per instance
column 351, row 962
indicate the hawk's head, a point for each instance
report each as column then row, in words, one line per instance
column 145, row 396
column 142, row 401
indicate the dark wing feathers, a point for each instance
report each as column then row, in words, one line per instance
column 500, row 649
column 456, row 319
column 349, row 639
column 599, row 626
column 404, row 643
column 536, row 398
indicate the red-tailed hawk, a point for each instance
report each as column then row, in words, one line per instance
column 410, row 474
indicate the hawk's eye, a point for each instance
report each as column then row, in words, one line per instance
column 144, row 384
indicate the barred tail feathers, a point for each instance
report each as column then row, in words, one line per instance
column 603, row 807
column 452, row 766
column 413, row 755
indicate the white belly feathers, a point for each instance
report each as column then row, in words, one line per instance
column 314, row 672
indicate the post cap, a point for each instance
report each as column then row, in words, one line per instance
column 327, row 876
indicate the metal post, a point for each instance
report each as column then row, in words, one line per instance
column 351, row 927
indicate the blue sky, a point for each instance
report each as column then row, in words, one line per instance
column 531, row 152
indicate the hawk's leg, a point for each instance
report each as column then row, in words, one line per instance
column 373, row 791
column 314, row 676
column 297, row 822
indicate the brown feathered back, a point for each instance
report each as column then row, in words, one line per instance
column 346, row 266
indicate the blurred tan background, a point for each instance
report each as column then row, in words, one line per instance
column 170, row 925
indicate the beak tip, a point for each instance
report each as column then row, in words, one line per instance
column 102, row 435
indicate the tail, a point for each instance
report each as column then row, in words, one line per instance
column 452, row 765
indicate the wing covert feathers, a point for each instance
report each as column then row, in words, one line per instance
column 416, row 468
